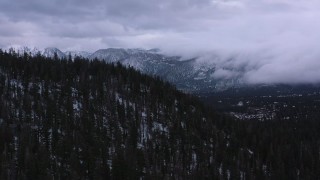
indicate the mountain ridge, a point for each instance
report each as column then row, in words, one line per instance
column 188, row 74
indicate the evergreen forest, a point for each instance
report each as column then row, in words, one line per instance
column 87, row 119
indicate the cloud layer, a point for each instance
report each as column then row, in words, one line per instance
column 272, row 41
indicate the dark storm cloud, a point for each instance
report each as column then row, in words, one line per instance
column 98, row 19
column 271, row 40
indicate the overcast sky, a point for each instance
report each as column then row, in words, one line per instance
column 273, row 40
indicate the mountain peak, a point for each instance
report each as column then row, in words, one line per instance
column 51, row 51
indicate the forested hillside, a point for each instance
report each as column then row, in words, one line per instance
column 81, row 119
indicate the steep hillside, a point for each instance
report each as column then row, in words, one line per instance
column 72, row 119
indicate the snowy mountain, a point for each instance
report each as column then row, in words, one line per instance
column 189, row 75
column 51, row 51
column 110, row 55
column 186, row 74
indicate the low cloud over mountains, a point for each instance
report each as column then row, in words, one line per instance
column 271, row 41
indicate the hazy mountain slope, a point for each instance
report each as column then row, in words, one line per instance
column 187, row 74
column 110, row 55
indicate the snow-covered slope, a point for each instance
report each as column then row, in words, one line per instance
column 186, row 74
column 110, row 55
column 51, row 51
